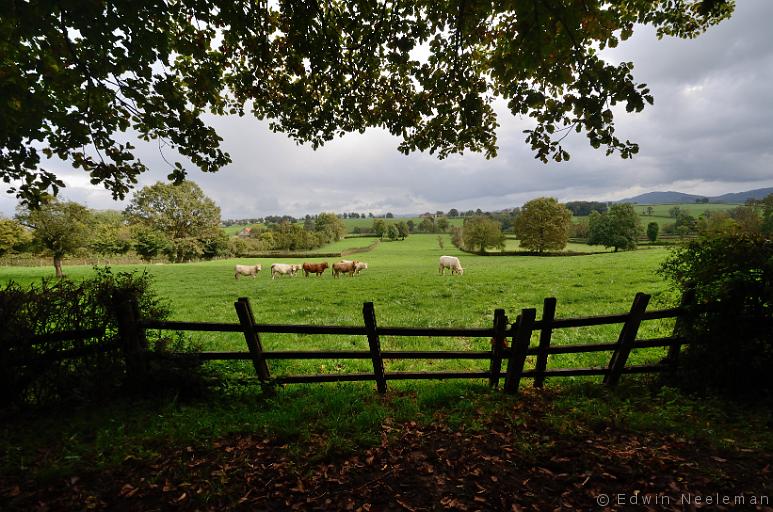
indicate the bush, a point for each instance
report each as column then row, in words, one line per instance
column 731, row 346
column 28, row 372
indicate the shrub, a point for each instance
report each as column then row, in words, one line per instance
column 652, row 231
column 28, row 372
column 731, row 346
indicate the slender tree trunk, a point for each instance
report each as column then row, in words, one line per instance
column 58, row 266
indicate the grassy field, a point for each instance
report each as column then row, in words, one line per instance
column 334, row 420
column 367, row 223
column 661, row 216
column 403, row 282
column 515, row 245
column 234, row 229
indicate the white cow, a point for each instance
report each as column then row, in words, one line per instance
column 451, row 262
column 360, row 265
column 284, row 269
column 247, row 270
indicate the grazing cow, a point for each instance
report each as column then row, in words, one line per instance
column 314, row 268
column 360, row 265
column 284, row 269
column 451, row 262
column 344, row 267
column 247, row 270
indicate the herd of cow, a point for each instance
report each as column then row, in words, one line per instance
column 350, row 267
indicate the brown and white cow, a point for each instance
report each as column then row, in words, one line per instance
column 344, row 267
column 314, row 268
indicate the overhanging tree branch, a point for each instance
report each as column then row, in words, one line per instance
column 360, row 75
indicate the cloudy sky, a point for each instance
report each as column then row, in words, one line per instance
column 709, row 132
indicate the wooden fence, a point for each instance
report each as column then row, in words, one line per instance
column 132, row 341
column 519, row 333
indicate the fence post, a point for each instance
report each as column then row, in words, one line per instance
column 548, row 314
column 520, row 345
column 369, row 315
column 132, row 335
column 251, row 336
column 688, row 299
column 626, row 339
column 497, row 344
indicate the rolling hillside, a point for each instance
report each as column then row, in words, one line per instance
column 680, row 197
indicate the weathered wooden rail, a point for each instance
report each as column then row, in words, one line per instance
column 519, row 333
column 131, row 340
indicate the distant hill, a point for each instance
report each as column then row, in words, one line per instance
column 741, row 197
column 661, row 197
column 679, row 197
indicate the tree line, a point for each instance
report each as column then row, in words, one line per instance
column 176, row 222
column 544, row 224
column 180, row 223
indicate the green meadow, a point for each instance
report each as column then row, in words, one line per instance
column 403, row 282
column 660, row 212
column 341, row 418
column 368, row 222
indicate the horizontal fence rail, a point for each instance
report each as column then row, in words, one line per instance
column 61, row 354
column 519, row 332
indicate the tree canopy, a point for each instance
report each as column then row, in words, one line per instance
column 620, row 227
column 543, row 225
column 183, row 213
column 482, row 232
column 77, row 75
column 329, row 227
column 59, row 228
column 12, row 235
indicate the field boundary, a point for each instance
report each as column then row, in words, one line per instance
column 39, row 261
column 547, row 254
column 132, row 336
column 291, row 254
column 531, row 253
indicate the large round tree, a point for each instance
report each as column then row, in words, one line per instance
column 183, row 213
column 619, row 227
column 58, row 228
column 543, row 225
column 481, row 232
